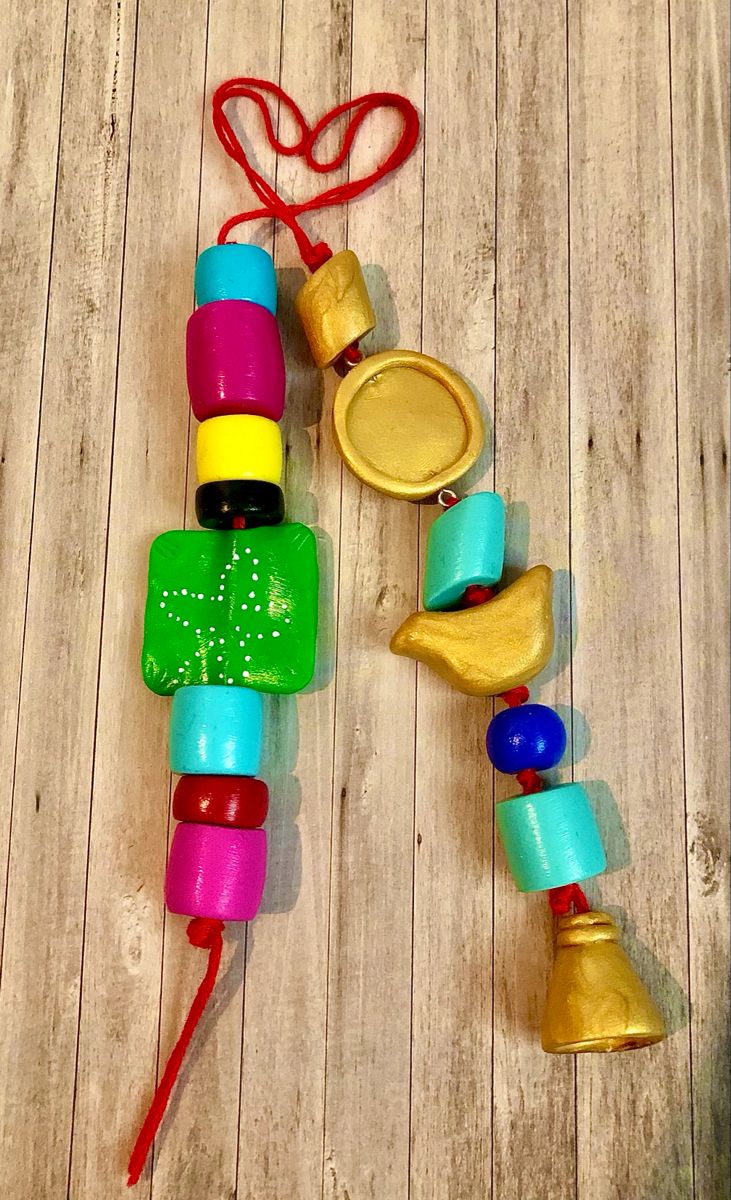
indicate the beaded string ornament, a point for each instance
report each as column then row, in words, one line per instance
column 231, row 609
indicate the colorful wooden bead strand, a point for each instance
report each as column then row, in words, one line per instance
column 232, row 609
column 550, row 836
column 595, row 1000
column 231, row 614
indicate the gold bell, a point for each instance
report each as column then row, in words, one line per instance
column 595, row 1000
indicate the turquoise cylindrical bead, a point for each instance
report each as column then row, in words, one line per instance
column 550, row 838
column 236, row 271
column 216, row 730
column 466, row 546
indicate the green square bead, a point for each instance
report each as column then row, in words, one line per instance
column 231, row 607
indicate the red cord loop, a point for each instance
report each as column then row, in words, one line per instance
column 260, row 91
column 207, row 934
column 562, row 899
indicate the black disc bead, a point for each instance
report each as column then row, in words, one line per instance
column 258, row 502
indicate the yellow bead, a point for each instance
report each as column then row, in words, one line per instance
column 490, row 648
column 334, row 307
column 241, row 446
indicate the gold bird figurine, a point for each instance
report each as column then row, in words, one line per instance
column 486, row 650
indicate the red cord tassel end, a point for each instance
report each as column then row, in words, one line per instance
column 208, row 935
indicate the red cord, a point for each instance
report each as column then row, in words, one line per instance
column 476, row 594
column 249, row 88
column 561, row 899
column 515, row 696
column 530, row 781
column 206, row 934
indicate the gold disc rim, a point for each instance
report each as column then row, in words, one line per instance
column 380, row 481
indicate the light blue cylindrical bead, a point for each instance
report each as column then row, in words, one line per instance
column 466, row 545
column 236, row 271
column 550, row 838
column 216, row 730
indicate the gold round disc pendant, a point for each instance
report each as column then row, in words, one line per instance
column 406, row 425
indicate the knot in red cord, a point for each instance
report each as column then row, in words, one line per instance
column 475, row 594
column 515, row 696
column 530, row 781
column 203, row 931
column 563, row 899
column 316, row 256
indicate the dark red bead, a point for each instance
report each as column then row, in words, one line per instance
column 237, row 800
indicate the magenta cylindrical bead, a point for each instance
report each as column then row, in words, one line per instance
column 216, row 872
column 234, row 360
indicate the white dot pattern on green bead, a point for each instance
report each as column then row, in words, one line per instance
column 284, row 588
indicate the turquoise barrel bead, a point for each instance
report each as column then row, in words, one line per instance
column 466, row 545
column 550, row 838
column 236, row 271
column 216, row 730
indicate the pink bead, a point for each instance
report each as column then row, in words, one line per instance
column 216, row 872
column 234, row 360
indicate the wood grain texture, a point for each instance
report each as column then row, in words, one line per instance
column 633, row 1115
column 531, row 471
column 32, row 55
column 699, row 64
column 561, row 238
column 46, row 896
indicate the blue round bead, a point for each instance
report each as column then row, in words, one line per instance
column 531, row 735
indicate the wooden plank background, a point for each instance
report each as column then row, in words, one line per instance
column 560, row 237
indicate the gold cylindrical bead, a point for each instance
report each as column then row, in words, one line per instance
column 334, row 307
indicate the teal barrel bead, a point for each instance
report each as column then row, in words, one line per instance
column 550, row 838
column 236, row 271
column 466, row 545
column 216, row 730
